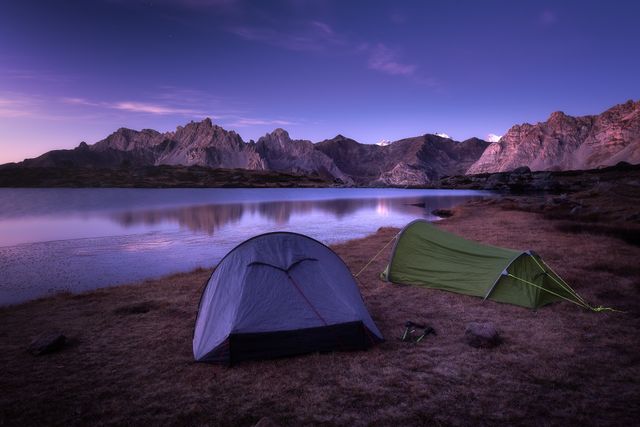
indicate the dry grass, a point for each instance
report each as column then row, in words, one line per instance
column 130, row 358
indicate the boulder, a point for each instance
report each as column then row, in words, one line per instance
column 442, row 213
column 47, row 342
column 482, row 335
column 522, row 170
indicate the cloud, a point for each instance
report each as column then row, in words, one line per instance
column 492, row 137
column 199, row 107
column 311, row 36
column 443, row 135
column 318, row 36
column 325, row 28
column 383, row 59
column 247, row 121
column 11, row 107
column 35, row 75
column 137, row 107
column 16, row 104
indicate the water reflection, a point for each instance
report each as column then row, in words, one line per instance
column 209, row 218
column 196, row 218
column 82, row 239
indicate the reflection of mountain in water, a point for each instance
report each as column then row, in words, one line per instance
column 197, row 218
column 210, row 218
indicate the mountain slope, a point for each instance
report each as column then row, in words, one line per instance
column 567, row 143
column 280, row 153
column 410, row 161
column 560, row 143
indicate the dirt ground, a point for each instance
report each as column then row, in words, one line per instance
column 129, row 361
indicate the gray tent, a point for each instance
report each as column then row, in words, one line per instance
column 280, row 294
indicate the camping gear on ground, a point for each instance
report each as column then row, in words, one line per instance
column 425, row 255
column 280, row 294
column 412, row 329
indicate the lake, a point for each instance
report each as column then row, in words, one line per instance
column 75, row 240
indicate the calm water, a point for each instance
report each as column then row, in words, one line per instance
column 55, row 240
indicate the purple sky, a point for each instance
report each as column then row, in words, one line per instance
column 73, row 70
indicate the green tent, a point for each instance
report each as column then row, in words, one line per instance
column 424, row 255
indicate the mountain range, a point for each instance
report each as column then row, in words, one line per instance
column 561, row 143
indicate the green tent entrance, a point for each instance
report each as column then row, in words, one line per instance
column 424, row 255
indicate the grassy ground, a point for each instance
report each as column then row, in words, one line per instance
column 130, row 358
column 156, row 177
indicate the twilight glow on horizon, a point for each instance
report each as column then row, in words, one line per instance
column 77, row 70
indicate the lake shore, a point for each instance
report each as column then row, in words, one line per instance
column 129, row 357
column 155, row 177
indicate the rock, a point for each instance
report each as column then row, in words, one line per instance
column 281, row 153
column 576, row 210
column 482, row 335
column 414, row 161
column 136, row 308
column 266, row 422
column 521, row 170
column 560, row 199
column 442, row 213
column 568, row 143
column 404, row 175
column 47, row 342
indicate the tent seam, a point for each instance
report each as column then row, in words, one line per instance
column 490, row 291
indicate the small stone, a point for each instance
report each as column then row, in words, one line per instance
column 576, row 210
column 266, row 422
column 442, row 213
column 47, row 342
column 482, row 335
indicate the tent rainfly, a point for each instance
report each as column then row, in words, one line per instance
column 424, row 255
column 280, row 294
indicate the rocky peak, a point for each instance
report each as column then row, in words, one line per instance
column 622, row 111
column 341, row 142
column 279, row 137
column 123, row 139
column 557, row 115
column 565, row 142
column 206, row 134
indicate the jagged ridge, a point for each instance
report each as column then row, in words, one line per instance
column 567, row 143
column 561, row 143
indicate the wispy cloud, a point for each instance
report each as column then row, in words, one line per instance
column 24, row 105
column 227, row 118
column 321, row 37
column 311, row 36
column 137, row 107
column 384, row 59
column 11, row 107
column 34, row 75
column 247, row 121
